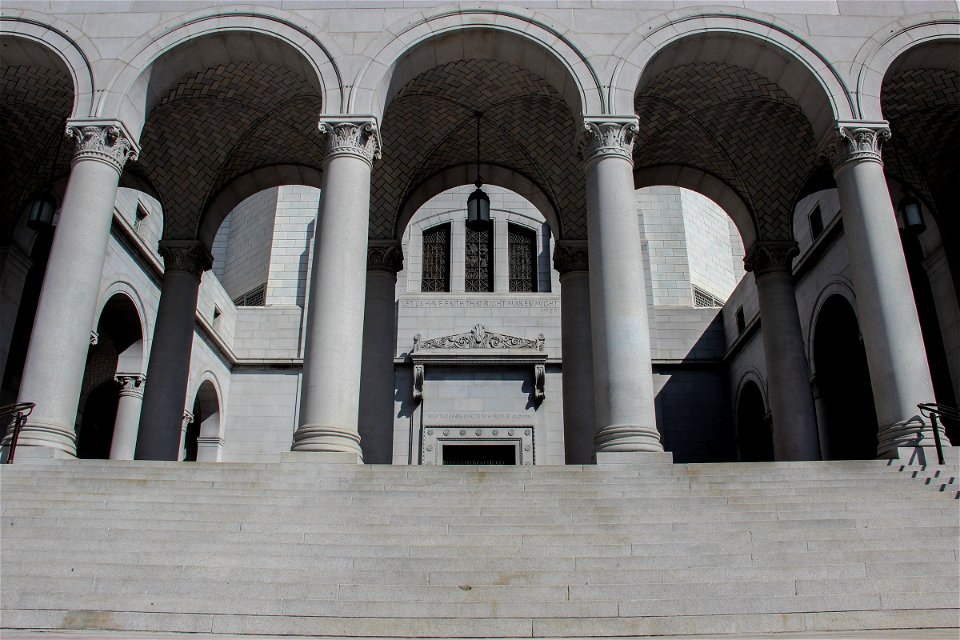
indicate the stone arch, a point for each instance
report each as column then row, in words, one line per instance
column 751, row 411
column 464, row 174
column 128, row 291
column 204, row 438
column 51, row 33
column 887, row 45
column 127, row 95
column 845, row 406
column 706, row 185
column 636, row 52
column 238, row 190
column 837, row 286
column 398, row 55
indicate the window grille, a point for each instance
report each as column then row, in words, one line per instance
column 256, row 297
column 479, row 260
column 522, row 245
column 703, row 299
column 436, row 259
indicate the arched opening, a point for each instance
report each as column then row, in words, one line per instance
column 754, row 437
column 843, row 381
column 202, row 441
column 117, row 349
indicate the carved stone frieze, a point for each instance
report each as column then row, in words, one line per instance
column 190, row 256
column 766, row 256
column 359, row 137
column 856, row 141
column 102, row 140
column 131, row 384
column 571, row 255
column 385, row 256
column 610, row 136
column 478, row 338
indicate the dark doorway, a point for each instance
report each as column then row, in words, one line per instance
column 754, row 436
column 476, row 454
column 850, row 432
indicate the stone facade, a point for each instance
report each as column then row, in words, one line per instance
column 644, row 151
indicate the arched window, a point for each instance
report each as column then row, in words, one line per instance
column 479, row 260
column 522, row 249
column 436, row 259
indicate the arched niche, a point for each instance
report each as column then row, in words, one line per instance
column 754, row 437
column 203, row 441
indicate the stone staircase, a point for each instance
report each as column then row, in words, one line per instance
column 343, row 550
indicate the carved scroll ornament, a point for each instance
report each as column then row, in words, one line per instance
column 478, row 338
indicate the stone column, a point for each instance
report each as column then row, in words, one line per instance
column 185, row 423
column 795, row 434
column 329, row 406
column 14, row 268
column 57, row 355
column 896, row 356
column 623, row 376
column 579, row 424
column 127, row 423
column 384, row 260
column 169, row 366
column 823, row 423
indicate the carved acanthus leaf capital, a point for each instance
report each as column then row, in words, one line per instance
column 856, row 141
column 190, row 256
column 571, row 255
column 766, row 256
column 385, row 256
column 358, row 137
column 103, row 140
column 131, row 384
column 609, row 136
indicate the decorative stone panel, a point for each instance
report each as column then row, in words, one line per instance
column 436, row 437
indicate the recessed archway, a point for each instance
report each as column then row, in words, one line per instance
column 754, row 437
column 203, row 441
column 840, row 364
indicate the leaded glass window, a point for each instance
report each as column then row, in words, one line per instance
column 522, row 245
column 436, row 259
column 479, row 260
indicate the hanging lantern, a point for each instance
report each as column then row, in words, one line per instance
column 478, row 204
column 911, row 215
column 40, row 216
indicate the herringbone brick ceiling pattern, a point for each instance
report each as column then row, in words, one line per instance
column 34, row 105
column 923, row 108
column 219, row 124
column 430, row 126
column 734, row 124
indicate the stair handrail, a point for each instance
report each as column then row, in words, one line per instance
column 20, row 411
column 933, row 410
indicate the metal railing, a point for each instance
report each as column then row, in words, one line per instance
column 934, row 411
column 19, row 411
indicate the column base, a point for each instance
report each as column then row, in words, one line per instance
column 41, row 435
column 323, row 439
column 911, row 433
column 30, row 454
column 321, row 457
column 927, row 455
column 627, row 437
column 633, row 458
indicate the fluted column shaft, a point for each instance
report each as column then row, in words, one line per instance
column 329, row 409
column 169, row 368
column 795, row 435
column 625, row 413
column 384, row 260
column 570, row 259
column 127, row 423
column 896, row 356
column 57, row 355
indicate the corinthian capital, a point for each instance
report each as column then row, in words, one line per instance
column 384, row 255
column 766, row 256
column 570, row 255
column 358, row 136
column 190, row 256
column 609, row 136
column 104, row 140
column 856, row 140
column 131, row 384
